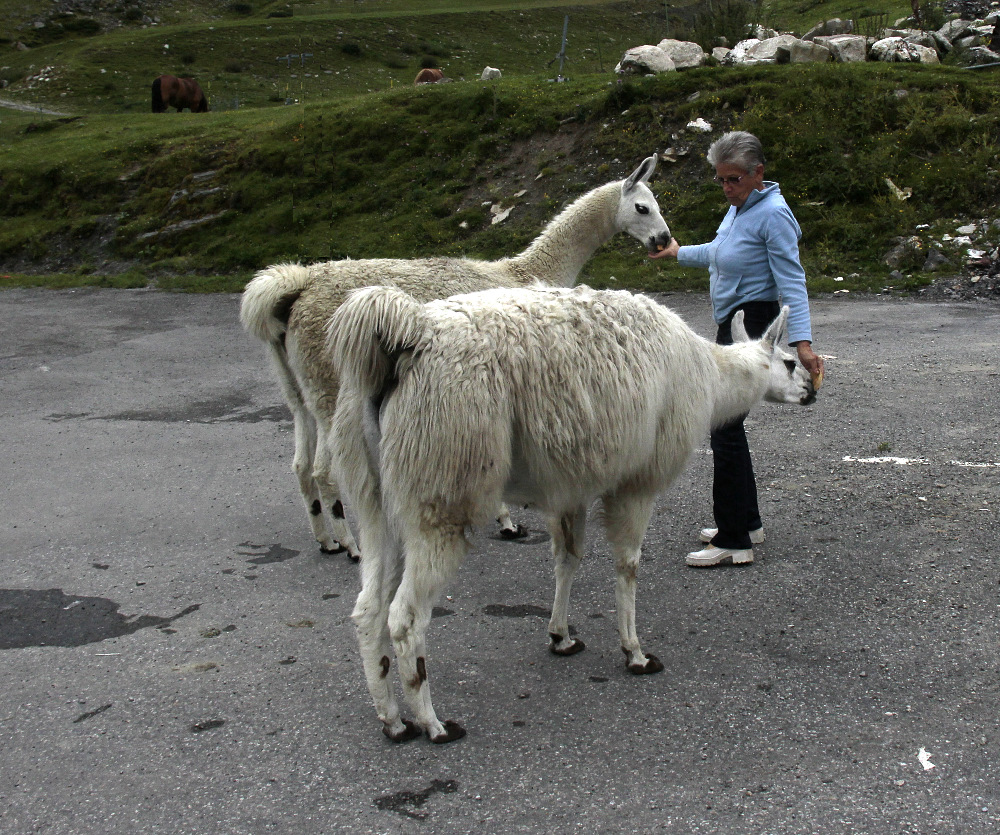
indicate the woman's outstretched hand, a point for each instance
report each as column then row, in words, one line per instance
column 669, row 251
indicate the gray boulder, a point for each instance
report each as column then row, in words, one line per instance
column 645, row 60
column 827, row 28
column 846, row 49
column 954, row 29
column 899, row 50
column 907, row 254
column 684, row 54
column 935, row 260
column 740, row 54
column 916, row 36
column 772, row 50
column 805, row 52
column 977, row 55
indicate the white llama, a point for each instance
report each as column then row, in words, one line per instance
column 288, row 305
column 549, row 397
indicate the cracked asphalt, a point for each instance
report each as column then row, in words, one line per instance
column 178, row 656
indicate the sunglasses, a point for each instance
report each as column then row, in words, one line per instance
column 729, row 181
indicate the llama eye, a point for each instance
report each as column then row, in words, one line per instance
column 641, row 209
column 790, row 365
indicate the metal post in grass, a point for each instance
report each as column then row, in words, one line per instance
column 561, row 55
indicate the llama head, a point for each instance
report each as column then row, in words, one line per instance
column 638, row 213
column 788, row 382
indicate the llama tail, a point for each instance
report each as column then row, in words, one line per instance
column 371, row 331
column 268, row 299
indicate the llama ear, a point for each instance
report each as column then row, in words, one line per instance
column 775, row 329
column 738, row 329
column 641, row 174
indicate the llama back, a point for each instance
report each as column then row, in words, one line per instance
column 546, row 392
column 331, row 282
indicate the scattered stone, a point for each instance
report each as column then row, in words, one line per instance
column 645, row 60
column 684, row 54
column 936, row 259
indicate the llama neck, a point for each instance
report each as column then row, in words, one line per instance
column 558, row 254
column 743, row 376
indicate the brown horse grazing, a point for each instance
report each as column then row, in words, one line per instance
column 430, row 76
column 171, row 91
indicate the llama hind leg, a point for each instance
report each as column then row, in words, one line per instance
column 431, row 561
column 568, row 535
column 303, row 466
column 380, row 576
column 508, row 528
column 329, row 491
column 626, row 520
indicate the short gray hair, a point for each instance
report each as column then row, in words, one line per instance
column 737, row 148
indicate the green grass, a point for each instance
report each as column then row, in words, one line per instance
column 201, row 201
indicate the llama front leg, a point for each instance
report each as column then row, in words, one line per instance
column 626, row 520
column 430, row 563
column 568, row 534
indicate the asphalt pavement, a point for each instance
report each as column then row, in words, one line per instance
column 178, row 657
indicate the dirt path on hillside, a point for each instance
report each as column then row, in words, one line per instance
column 30, row 108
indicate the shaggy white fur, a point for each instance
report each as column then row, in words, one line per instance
column 549, row 397
column 288, row 305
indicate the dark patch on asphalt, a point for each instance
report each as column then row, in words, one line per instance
column 232, row 408
column 208, row 725
column 408, row 804
column 51, row 618
column 274, row 553
column 498, row 610
column 90, row 714
column 441, row 612
column 530, row 538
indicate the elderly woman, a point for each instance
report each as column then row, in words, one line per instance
column 753, row 266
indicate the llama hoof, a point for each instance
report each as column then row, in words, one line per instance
column 338, row 550
column 651, row 665
column 452, row 732
column 570, row 649
column 517, row 532
column 410, row 731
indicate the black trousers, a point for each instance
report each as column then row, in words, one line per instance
column 734, row 489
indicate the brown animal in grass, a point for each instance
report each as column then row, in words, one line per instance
column 171, row 91
column 430, row 76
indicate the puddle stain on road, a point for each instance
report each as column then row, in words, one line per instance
column 409, row 804
column 498, row 610
column 234, row 408
column 51, row 618
column 273, row 553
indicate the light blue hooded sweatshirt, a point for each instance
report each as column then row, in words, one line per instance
column 755, row 257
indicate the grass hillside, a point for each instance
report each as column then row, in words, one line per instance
column 340, row 156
